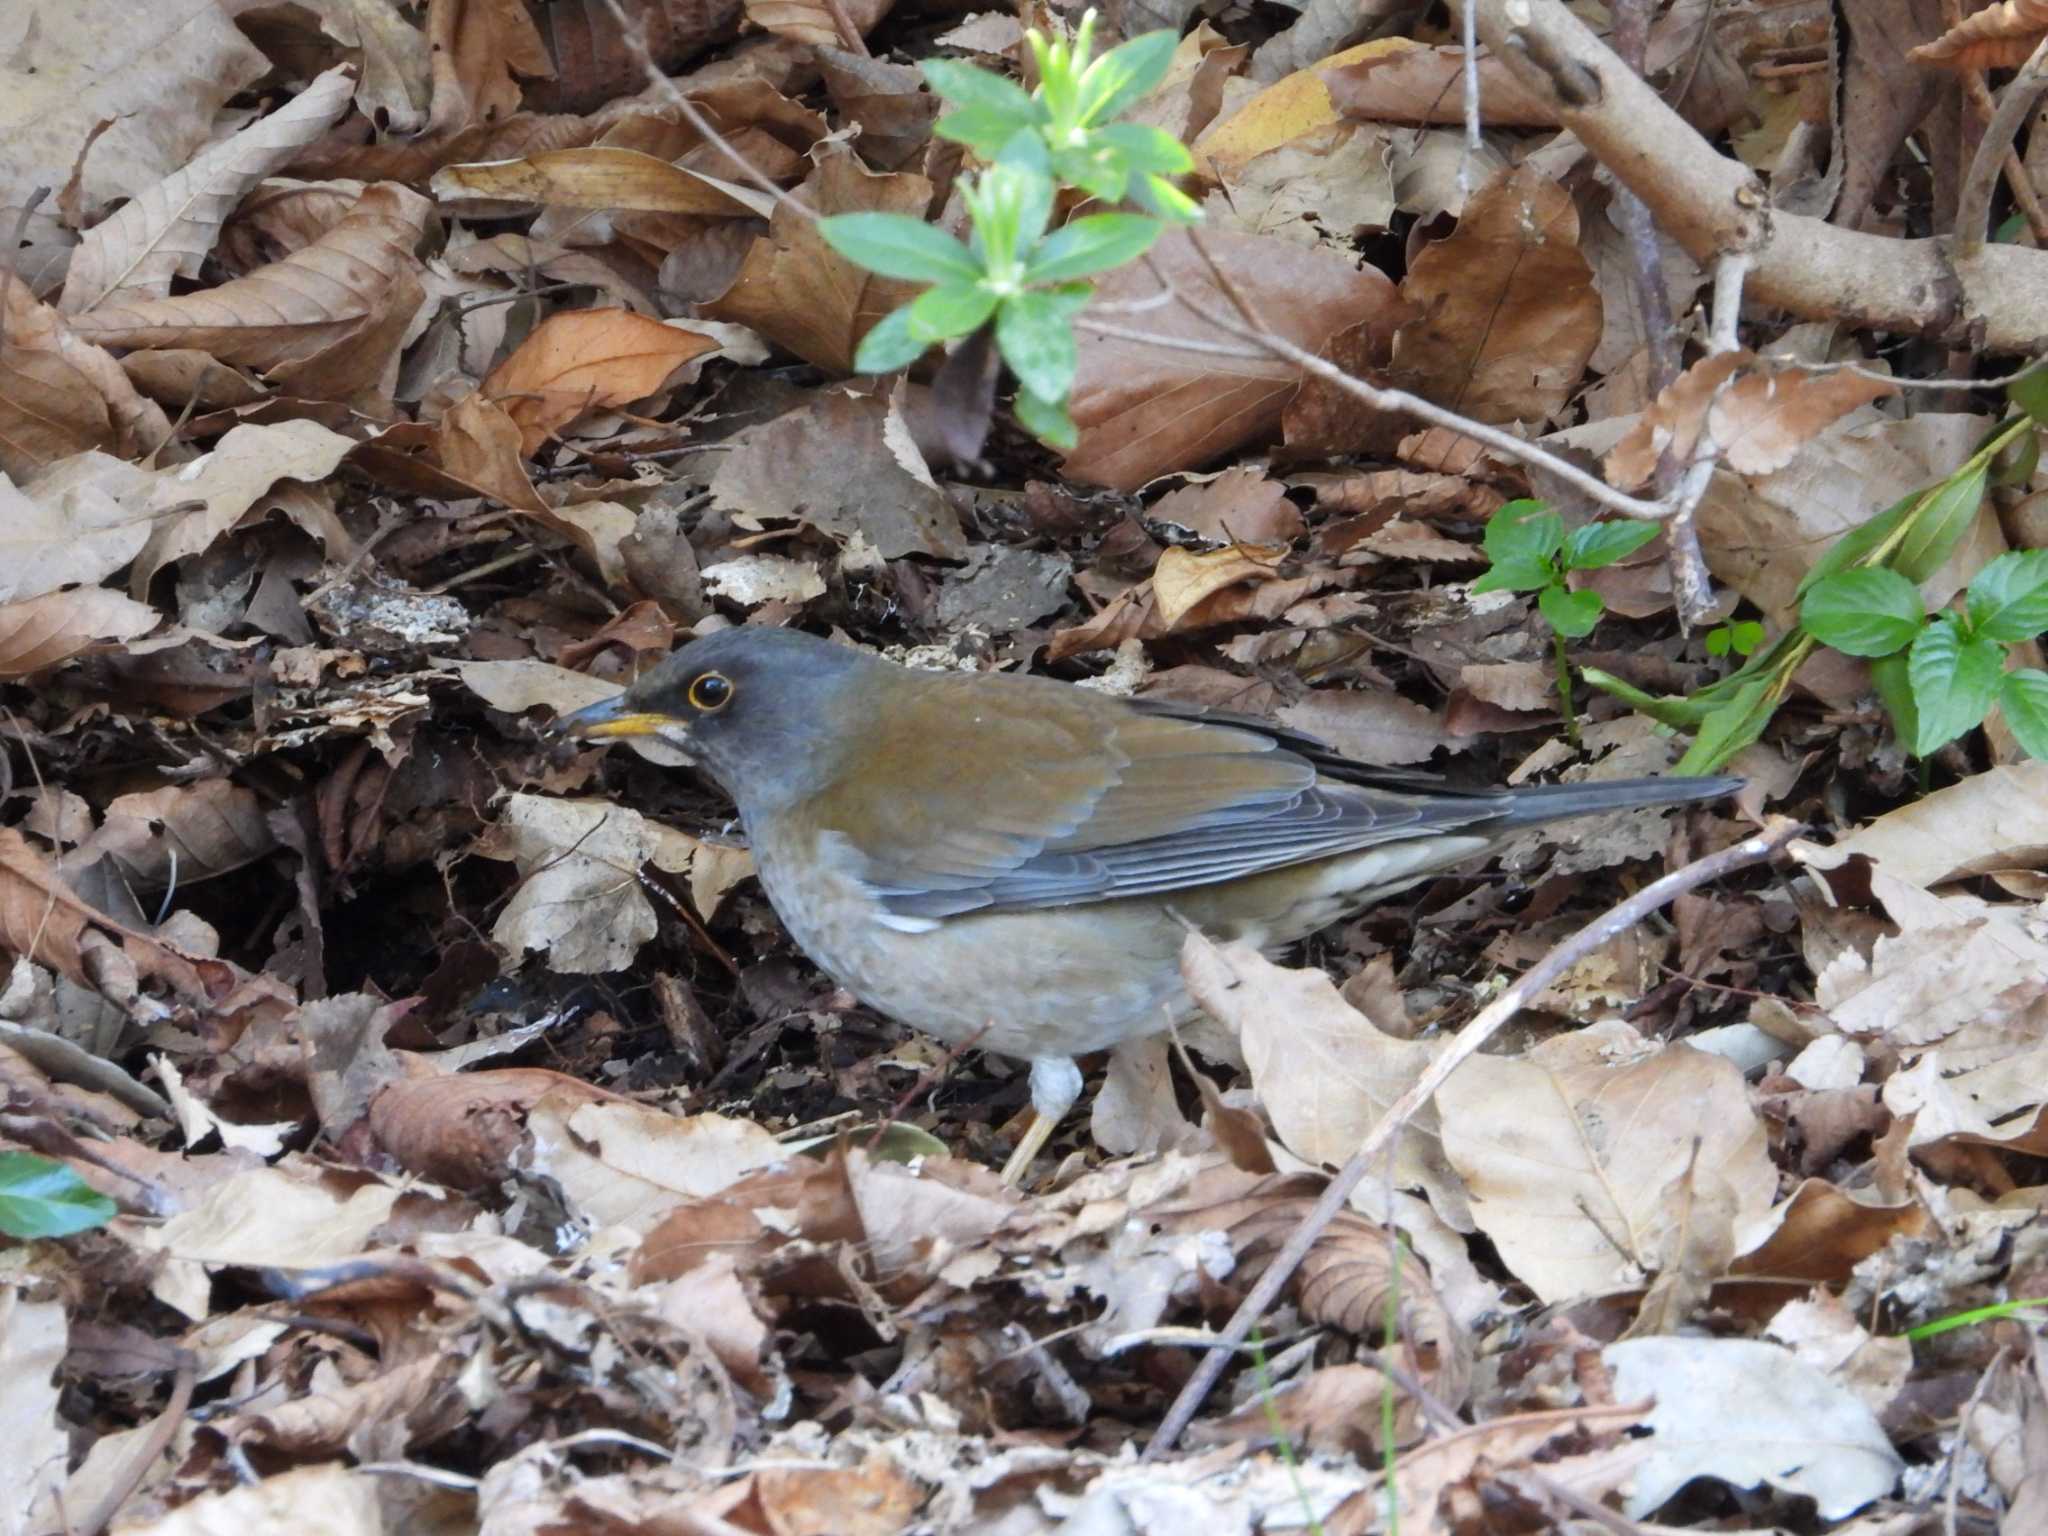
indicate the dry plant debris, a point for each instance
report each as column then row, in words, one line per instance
column 407, row 1121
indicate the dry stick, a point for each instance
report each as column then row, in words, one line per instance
column 636, row 44
column 1990, row 300
column 1978, row 94
column 1973, row 207
column 1631, row 25
column 1691, row 586
column 1777, row 832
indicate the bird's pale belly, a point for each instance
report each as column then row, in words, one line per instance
column 1064, row 980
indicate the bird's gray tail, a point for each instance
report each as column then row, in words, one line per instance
column 1553, row 802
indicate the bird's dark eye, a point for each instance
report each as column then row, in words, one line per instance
column 711, row 692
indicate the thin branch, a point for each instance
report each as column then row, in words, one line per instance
column 1692, row 588
column 1631, row 32
column 635, row 40
column 1777, row 832
column 1973, row 206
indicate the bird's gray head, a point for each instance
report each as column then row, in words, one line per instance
column 756, row 707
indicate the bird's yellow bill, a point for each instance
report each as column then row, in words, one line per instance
column 609, row 720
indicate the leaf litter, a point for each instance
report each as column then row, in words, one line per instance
column 376, row 388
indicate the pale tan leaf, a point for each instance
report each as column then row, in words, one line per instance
column 45, row 630
column 598, row 176
column 78, row 521
column 813, row 22
column 480, row 49
column 800, row 293
column 1997, row 37
column 177, row 834
column 168, row 228
column 320, row 318
column 1509, row 311
column 1425, row 85
column 153, row 78
column 587, row 360
column 1281, row 113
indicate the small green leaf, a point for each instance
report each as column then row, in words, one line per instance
column 1047, row 420
column 889, row 345
column 896, row 245
column 984, row 130
column 1954, row 682
column 1729, row 728
column 2030, row 393
column 967, row 85
column 1720, row 641
column 1598, row 544
column 1888, row 675
column 1939, row 525
column 1571, row 614
column 43, row 1198
column 1090, row 245
column 1523, row 531
column 2023, row 696
column 1747, row 635
column 1865, row 612
column 1036, row 335
column 1124, row 74
column 949, row 310
column 2008, row 599
column 1516, row 576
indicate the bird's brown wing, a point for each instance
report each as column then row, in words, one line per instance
column 1067, row 797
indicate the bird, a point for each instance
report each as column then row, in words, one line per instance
column 1015, row 860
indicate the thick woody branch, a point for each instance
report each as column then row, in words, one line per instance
column 1992, row 299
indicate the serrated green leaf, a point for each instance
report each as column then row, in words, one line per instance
column 1728, row 729
column 2030, row 393
column 1036, row 337
column 1047, row 420
column 896, row 245
column 40, row 1197
column 949, row 310
column 969, row 85
column 2023, row 698
column 889, row 345
column 1939, row 525
column 1515, row 576
column 1571, row 614
column 2008, row 599
column 1870, row 611
column 1523, row 531
column 1954, row 683
column 1091, row 245
column 1124, row 74
column 1598, row 544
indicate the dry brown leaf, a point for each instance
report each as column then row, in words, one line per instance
column 1509, row 311
column 325, row 321
column 888, row 102
column 61, row 394
column 1758, row 415
column 80, row 520
column 800, row 293
column 1145, row 408
column 846, row 465
column 168, row 228
column 1222, row 586
column 1283, row 112
column 601, row 176
column 585, row 360
column 1989, row 822
column 1239, row 505
column 1569, row 1149
column 480, row 48
column 1998, row 37
column 177, row 834
column 479, row 444
column 1426, row 85
column 43, row 631
column 815, row 21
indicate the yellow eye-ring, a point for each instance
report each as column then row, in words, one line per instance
column 711, row 692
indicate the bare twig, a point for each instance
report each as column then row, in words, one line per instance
column 1973, row 205
column 635, row 40
column 1631, row 31
column 1692, row 589
column 1777, row 832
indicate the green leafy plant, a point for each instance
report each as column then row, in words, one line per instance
column 43, row 1198
column 1860, row 580
column 1530, row 551
column 1016, row 272
column 1740, row 639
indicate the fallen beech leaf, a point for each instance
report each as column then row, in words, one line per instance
column 1182, row 579
column 817, row 22
column 62, row 395
column 479, row 47
column 585, row 360
column 1509, row 313
column 178, row 834
column 1426, row 85
column 1284, row 111
column 800, row 293
column 1146, row 407
column 601, row 176
column 1238, row 506
column 42, row 631
column 166, row 230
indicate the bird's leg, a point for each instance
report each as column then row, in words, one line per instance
column 1055, row 1084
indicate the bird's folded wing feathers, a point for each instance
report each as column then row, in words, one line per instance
column 1078, row 798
